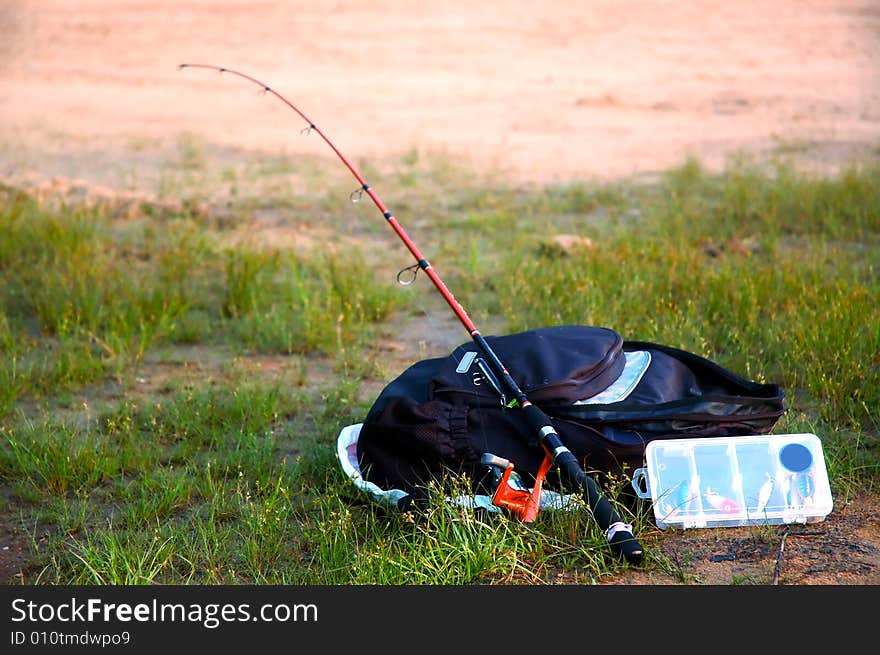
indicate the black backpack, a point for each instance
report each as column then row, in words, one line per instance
column 607, row 398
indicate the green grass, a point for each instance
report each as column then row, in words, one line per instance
column 772, row 277
column 224, row 471
column 84, row 297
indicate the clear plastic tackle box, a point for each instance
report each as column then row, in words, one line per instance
column 732, row 481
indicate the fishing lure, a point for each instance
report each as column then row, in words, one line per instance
column 764, row 494
column 717, row 501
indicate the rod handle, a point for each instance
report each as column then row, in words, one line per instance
column 618, row 533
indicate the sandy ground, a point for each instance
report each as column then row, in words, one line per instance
column 538, row 91
column 535, row 91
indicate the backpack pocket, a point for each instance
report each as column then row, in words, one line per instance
column 557, row 364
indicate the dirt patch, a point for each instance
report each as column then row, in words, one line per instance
column 599, row 89
column 15, row 552
column 91, row 102
column 844, row 549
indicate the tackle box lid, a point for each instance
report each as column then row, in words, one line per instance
column 733, row 481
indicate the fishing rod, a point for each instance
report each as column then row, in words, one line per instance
column 617, row 532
